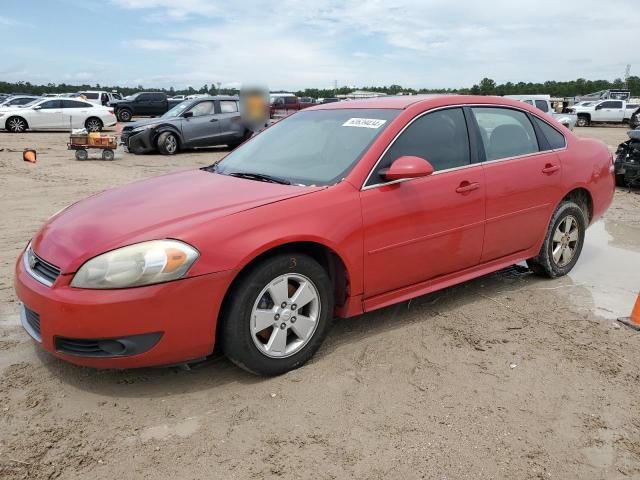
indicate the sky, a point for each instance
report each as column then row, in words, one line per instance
column 291, row 45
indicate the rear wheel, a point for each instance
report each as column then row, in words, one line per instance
column 107, row 155
column 124, row 115
column 16, row 125
column 278, row 315
column 583, row 121
column 563, row 242
column 93, row 124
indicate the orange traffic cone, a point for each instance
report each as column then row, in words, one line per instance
column 634, row 320
column 29, row 155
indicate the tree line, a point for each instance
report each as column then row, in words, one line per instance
column 486, row 86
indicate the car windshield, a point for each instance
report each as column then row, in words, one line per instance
column 316, row 147
column 177, row 110
column 32, row 102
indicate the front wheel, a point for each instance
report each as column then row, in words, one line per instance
column 563, row 242
column 124, row 115
column 278, row 315
column 167, row 143
column 16, row 125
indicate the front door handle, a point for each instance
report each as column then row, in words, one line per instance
column 467, row 187
column 549, row 169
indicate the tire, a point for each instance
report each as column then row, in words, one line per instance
column 82, row 155
column 16, row 125
column 108, row 155
column 167, row 143
column 567, row 215
column 583, row 121
column 93, row 124
column 285, row 342
column 124, row 115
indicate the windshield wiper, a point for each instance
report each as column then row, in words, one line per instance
column 260, row 177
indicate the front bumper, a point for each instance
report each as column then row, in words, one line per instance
column 139, row 142
column 168, row 323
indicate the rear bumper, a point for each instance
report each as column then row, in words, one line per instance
column 160, row 324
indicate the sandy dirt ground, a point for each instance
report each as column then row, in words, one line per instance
column 507, row 376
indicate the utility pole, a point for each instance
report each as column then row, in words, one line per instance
column 627, row 74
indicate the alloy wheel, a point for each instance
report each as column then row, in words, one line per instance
column 171, row 144
column 565, row 241
column 285, row 315
column 93, row 125
column 17, row 125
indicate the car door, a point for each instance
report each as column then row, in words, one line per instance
column 229, row 121
column 200, row 125
column 74, row 113
column 46, row 115
column 426, row 227
column 522, row 180
column 611, row 111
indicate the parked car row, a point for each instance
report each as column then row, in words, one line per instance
column 56, row 114
column 249, row 253
column 605, row 111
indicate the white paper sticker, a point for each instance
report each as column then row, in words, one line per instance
column 364, row 122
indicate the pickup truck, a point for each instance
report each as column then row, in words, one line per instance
column 149, row 104
column 543, row 103
column 605, row 111
column 284, row 105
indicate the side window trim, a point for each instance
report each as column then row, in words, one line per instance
column 543, row 143
column 537, row 128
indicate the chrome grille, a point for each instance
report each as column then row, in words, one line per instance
column 40, row 269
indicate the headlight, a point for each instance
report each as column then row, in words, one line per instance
column 136, row 265
column 143, row 128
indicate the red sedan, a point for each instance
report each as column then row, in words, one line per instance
column 337, row 210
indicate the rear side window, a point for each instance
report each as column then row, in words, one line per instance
column 289, row 100
column 440, row 137
column 611, row 104
column 157, row 97
column 90, row 96
column 75, row 104
column 51, row 104
column 505, row 132
column 228, row 106
column 554, row 138
column 542, row 105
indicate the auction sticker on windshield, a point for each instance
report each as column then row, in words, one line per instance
column 364, row 122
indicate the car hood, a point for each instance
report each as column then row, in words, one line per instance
column 162, row 207
column 147, row 121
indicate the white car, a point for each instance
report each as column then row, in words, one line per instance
column 57, row 114
column 17, row 101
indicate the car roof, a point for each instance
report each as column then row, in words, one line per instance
column 402, row 102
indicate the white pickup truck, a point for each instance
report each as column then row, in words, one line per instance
column 604, row 111
column 543, row 102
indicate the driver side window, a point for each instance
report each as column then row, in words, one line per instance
column 440, row 137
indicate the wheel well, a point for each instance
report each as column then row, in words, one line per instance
column 587, row 115
column 170, row 130
column 6, row 124
column 582, row 197
column 87, row 120
column 327, row 258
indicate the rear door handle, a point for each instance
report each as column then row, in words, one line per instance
column 467, row 187
column 550, row 168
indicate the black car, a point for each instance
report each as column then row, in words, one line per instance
column 143, row 103
column 627, row 162
column 199, row 122
column 634, row 121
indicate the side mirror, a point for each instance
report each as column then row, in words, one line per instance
column 37, row 107
column 407, row 167
column 188, row 114
column 598, row 107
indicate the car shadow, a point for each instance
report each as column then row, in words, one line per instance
column 217, row 371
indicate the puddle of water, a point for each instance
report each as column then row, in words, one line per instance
column 609, row 267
